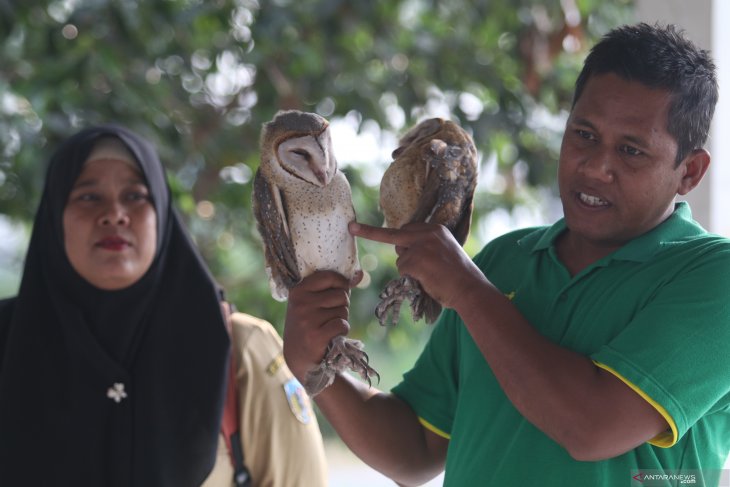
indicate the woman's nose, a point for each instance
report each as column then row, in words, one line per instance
column 114, row 214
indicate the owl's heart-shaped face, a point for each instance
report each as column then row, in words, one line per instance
column 309, row 158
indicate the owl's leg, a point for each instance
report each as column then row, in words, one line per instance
column 342, row 353
column 397, row 291
column 424, row 306
column 319, row 378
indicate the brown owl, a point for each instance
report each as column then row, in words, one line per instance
column 431, row 179
column 302, row 204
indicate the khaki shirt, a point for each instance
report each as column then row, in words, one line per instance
column 282, row 444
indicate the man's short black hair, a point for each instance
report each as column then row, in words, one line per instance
column 661, row 57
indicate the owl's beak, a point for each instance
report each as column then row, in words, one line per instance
column 331, row 168
column 320, row 175
column 327, row 171
column 324, row 173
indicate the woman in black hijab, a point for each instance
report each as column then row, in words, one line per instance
column 112, row 372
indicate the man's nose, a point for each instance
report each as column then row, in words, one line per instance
column 600, row 165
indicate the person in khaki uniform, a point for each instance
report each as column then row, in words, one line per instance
column 116, row 354
column 282, row 445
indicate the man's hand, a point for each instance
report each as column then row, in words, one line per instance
column 430, row 254
column 380, row 428
column 317, row 311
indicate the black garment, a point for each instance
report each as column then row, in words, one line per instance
column 64, row 344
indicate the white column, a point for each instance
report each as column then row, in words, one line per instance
column 702, row 21
column 720, row 144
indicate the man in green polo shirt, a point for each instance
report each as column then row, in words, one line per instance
column 594, row 352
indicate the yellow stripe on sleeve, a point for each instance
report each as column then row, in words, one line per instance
column 665, row 439
column 434, row 429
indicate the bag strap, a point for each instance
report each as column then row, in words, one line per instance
column 230, row 425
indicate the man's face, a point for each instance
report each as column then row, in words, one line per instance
column 617, row 173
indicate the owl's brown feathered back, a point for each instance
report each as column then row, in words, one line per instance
column 432, row 179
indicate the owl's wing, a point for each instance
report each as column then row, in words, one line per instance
column 448, row 192
column 462, row 227
column 271, row 218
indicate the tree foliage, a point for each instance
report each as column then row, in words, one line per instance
column 199, row 77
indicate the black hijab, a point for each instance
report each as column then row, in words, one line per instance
column 69, row 352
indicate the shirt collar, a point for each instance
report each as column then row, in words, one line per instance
column 678, row 227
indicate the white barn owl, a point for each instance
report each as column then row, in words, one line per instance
column 432, row 179
column 302, row 204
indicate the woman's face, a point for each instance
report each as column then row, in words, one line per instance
column 110, row 224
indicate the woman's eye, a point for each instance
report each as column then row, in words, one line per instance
column 87, row 197
column 137, row 196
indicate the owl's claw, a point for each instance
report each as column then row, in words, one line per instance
column 342, row 353
column 388, row 309
column 397, row 291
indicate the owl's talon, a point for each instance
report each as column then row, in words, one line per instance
column 342, row 353
column 397, row 291
column 388, row 310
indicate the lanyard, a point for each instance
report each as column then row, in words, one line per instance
column 230, row 427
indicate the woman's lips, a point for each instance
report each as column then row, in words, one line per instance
column 113, row 243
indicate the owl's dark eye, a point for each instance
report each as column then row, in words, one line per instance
column 302, row 153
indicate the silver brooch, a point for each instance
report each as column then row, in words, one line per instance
column 116, row 392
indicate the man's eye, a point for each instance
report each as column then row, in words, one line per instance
column 632, row 151
column 585, row 134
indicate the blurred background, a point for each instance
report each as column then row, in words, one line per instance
column 199, row 77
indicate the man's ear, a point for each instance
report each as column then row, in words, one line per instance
column 695, row 167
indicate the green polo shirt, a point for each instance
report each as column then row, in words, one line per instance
column 656, row 313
